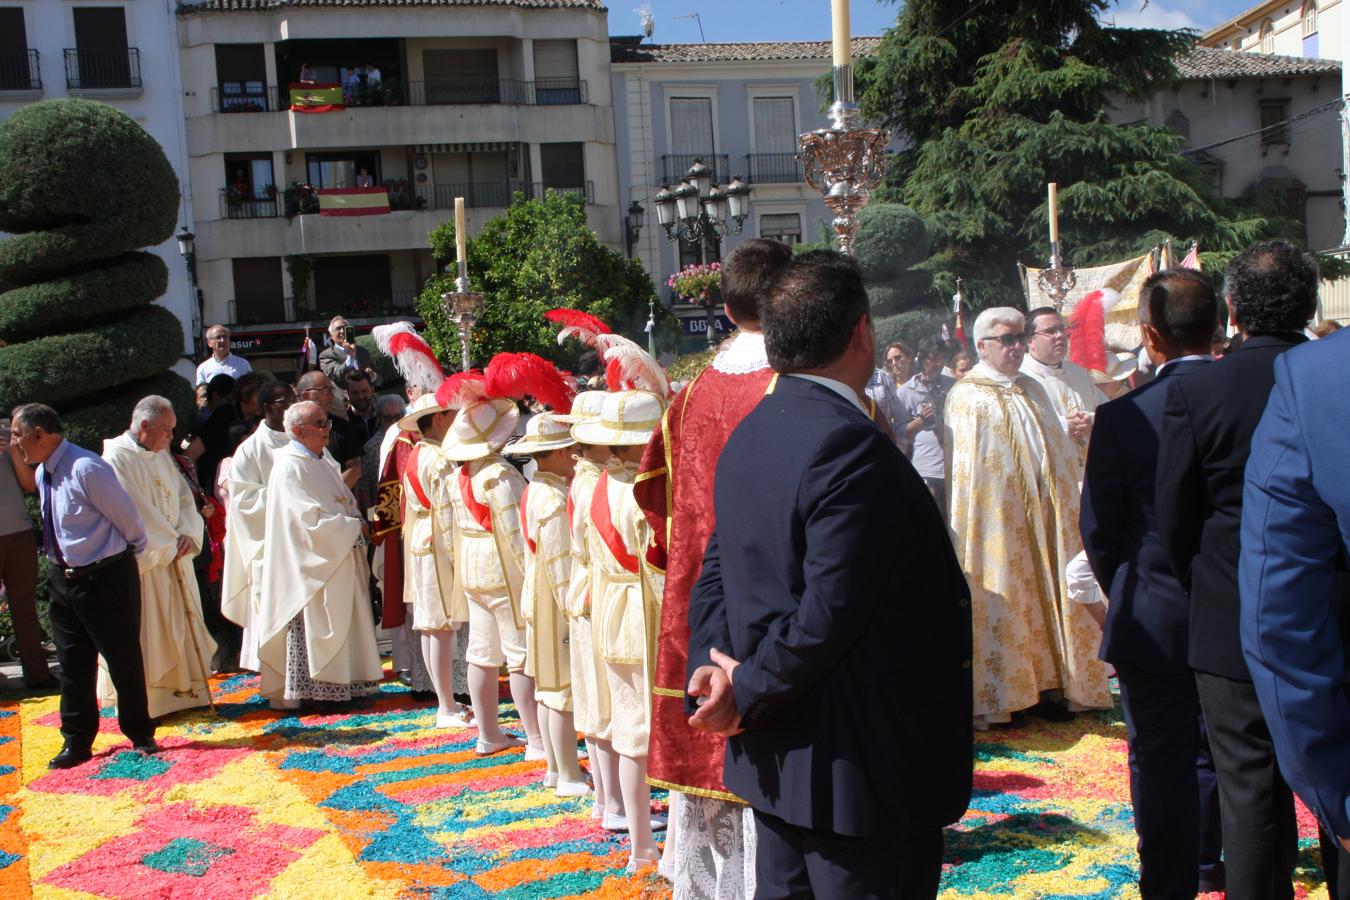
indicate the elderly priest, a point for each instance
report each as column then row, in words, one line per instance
column 174, row 641
column 316, row 635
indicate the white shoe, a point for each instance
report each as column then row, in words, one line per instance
column 572, row 788
column 550, row 779
column 459, row 719
column 597, row 810
column 620, row 823
column 534, row 754
column 508, row 742
column 637, row 865
column 283, row 704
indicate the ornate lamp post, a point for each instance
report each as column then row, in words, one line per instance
column 461, row 305
column 187, row 249
column 698, row 209
column 846, row 161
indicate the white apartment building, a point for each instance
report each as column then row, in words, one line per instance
column 443, row 98
column 1313, row 28
column 121, row 53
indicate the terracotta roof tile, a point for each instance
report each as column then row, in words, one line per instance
column 627, row 50
column 1211, row 62
column 225, row 6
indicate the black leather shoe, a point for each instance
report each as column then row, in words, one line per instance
column 147, row 748
column 69, row 758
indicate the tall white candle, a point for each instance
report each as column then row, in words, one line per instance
column 843, row 53
column 461, row 236
column 1054, row 213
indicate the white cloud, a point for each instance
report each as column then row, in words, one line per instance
column 1149, row 14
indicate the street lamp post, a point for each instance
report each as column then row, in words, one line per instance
column 698, row 209
column 187, row 249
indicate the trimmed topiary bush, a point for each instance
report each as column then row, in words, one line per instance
column 82, row 189
column 910, row 327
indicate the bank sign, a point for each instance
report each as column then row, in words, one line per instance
column 697, row 324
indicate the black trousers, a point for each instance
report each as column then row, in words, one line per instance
column 99, row 614
column 793, row 862
column 1172, row 784
column 1260, row 835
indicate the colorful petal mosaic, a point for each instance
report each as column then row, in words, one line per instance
column 370, row 800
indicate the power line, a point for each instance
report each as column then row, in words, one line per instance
column 1283, row 124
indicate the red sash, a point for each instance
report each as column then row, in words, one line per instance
column 480, row 512
column 414, row 481
column 605, row 527
column 524, row 526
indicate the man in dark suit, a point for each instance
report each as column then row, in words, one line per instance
column 1146, row 634
column 830, row 627
column 1208, row 420
column 1295, row 622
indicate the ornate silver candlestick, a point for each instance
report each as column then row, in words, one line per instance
column 846, row 161
column 1058, row 280
column 462, row 306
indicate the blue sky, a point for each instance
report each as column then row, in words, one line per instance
column 800, row 20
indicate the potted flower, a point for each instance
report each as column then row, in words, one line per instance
column 697, row 282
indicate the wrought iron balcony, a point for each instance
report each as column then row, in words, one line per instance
column 773, row 168
column 497, row 194
column 89, row 69
column 235, row 204
column 254, row 96
column 674, row 165
column 19, row 71
column 256, row 310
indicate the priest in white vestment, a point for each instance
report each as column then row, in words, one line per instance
column 1070, row 388
column 174, row 640
column 1013, row 505
column 245, row 523
column 316, row 633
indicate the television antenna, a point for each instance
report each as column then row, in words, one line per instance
column 648, row 22
column 694, row 16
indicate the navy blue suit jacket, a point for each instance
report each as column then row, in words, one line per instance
column 1295, row 541
column 1208, row 421
column 1146, row 619
column 831, row 577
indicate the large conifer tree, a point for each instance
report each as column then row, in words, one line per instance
column 997, row 98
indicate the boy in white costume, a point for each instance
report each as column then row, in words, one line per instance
column 548, row 570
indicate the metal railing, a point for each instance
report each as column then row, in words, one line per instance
column 244, row 205
column 254, row 96
column 773, row 168
column 499, row 194
column 244, row 96
column 508, row 91
column 674, row 165
column 87, row 69
column 19, row 71
column 256, row 310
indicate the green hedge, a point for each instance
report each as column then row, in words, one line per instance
column 910, row 327
column 61, row 368
column 110, row 413
column 88, row 177
column 39, row 309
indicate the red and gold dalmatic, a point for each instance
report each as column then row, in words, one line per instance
column 388, row 524
column 674, row 488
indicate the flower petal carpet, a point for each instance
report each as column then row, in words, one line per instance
column 369, row 799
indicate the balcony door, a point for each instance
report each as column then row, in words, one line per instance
column 691, row 136
column 775, row 140
column 14, row 67
column 242, row 73
column 461, row 76
column 352, row 286
column 258, row 294
column 101, row 52
column 556, row 78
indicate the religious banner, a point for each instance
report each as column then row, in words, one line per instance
column 369, row 201
column 1125, row 278
column 316, row 96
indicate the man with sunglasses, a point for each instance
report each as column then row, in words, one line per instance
column 1069, row 386
column 1013, row 506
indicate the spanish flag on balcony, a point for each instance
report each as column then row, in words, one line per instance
column 370, row 201
column 316, row 96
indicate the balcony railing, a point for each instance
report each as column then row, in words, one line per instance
column 256, row 310
column 19, row 71
column 676, row 164
column 773, row 168
column 87, row 69
column 493, row 193
column 236, row 204
column 254, row 96
column 244, row 96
